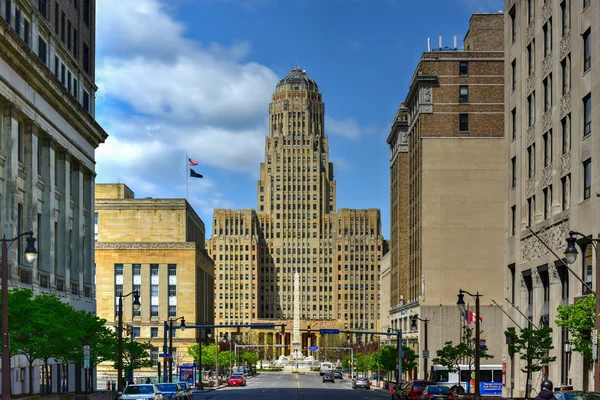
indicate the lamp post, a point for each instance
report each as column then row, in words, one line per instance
column 461, row 306
column 571, row 256
column 413, row 328
column 567, row 350
column 182, row 327
column 136, row 306
column 400, row 354
column 30, row 256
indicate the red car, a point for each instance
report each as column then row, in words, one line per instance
column 411, row 390
column 236, row 380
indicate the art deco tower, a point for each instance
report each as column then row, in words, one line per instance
column 297, row 229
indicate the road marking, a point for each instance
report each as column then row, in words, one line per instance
column 297, row 386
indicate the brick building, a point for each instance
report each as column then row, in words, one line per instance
column 447, row 178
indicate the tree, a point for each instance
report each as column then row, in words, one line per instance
column 250, row 358
column 389, row 354
column 410, row 359
column 362, row 362
column 533, row 346
column 579, row 320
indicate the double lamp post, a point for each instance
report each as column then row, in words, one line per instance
column 30, row 256
column 461, row 306
column 136, row 306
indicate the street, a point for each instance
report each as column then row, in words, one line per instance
column 291, row 386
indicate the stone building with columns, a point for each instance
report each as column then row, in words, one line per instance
column 447, row 179
column 48, row 137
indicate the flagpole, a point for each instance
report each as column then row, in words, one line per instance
column 187, row 173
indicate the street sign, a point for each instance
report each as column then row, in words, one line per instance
column 164, row 355
column 397, row 366
column 595, row 336
column 279, row 345
column 86, row 362
column 482, row 344
column 425, row 353
column 86, row 351
column 329, row 331
column 313, row 348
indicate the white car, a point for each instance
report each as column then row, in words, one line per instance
column 141, row 392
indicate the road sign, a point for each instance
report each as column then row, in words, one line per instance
column 86, row 362
column 279, row 345
column 313, row 348
column 482, row 344
column 164, row 355
column 425, row 353
column 86, row 351
column 595, row 336
column 329, row 331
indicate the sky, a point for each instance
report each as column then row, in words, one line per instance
column 195, row 77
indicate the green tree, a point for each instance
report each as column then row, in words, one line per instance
column 362, row 362
column 410, row 359
column 579, row 320
column 389, row 354
column 533, row 346
column 346, row 362
column 251, row 358
column 224, row 358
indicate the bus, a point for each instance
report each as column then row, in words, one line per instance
column 490, row 377
column 325, row 367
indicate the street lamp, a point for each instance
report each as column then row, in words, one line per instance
column 400, row 354
column 182, row 327
column 30, row 256
column 413, row 328
column 136, row 307
column 461, row 306
column 571, row 257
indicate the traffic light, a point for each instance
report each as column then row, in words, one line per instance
column 348, row 335
column 128, row 330
column 308, row 330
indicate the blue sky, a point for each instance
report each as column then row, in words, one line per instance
column 196, row 76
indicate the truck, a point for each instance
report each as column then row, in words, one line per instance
column 325, row 367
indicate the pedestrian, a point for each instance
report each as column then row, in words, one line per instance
column 546, row 392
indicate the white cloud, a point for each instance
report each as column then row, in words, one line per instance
column 347, row 128
column 162, row 94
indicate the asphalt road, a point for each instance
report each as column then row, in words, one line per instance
column 287, row 386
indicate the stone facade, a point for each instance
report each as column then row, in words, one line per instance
column 155, row 247
column 47, row 162
column 386, row 291
column 548, row 144
column 446, row 187
column 297, row 228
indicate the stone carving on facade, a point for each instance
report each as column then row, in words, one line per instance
column 547, row 120
column 403, row 141
column 530, row 135
column 426, row 108
column 547, row 65
column 144, row 245
column 536, row 279
column 565, row 164
column 547, row 176
column 530, row 32
column 565, row 45
column 546, row 11
column 427, row 94
column 530, row 187
column 565, row 105
column 554, row 236
column 553, row 274
column 530, row 83
column 523, row 284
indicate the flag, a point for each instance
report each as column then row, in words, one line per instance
column 194, row 174
column 472, row 317
column 464, row 316
column 193, row 163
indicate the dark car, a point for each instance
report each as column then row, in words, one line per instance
column 361, row 382
column 437, row 393
column 338, row 375
column 328, row 376
column 171, row 391
column 411, row 390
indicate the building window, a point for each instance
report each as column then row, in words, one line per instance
column 513, row 115
column 463, row 68
column 75, row 41
column 587, row 115
column 565, row 191
column 547, row 93
column 154, row 355
column 86, row 12
column 530, row 57
column 56, row 15
column 42, row 52
column 547, row 201
column 586, row 3
column 531, row 161
column 531, row 109
column 587, row 178
column 513, row 218
column 172, row 270
column 136, row 331
column 547, row 30
column 172, row 311
column 86, row 101
column 565, row 73
column 530, row 11
column 547, row 148
column 513, row 24
column 588, row 268
column 587, row 50
column 26, row 31
column 154, row 310
column 564, row 17
column 63, row 27
column 513, row 67
column 86, row 58
column 42, row 5
column 153, row 332
column 513, row 163
column 464, row 94
column 530, row 210
column 566, row 134
column 464, row 122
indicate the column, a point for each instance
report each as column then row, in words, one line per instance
column 30, row 203
column 47, row 248
column 63, row 195
column 88, row 223
column 77, row 264
column 9, row 202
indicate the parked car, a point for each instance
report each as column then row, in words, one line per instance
column 377, row 378
column 236, row 380
column 187, row 390
column 141, row 392
column 361, row 382
column 411, row 390
column 338, row 375
column 328, row 376
column 437, row 393
column 171, row 391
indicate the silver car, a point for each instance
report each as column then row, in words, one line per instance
column 361, row 382
column 141, row 392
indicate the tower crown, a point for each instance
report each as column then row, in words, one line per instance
column 297, row 76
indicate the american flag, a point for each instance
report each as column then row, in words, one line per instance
column 193, row 163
